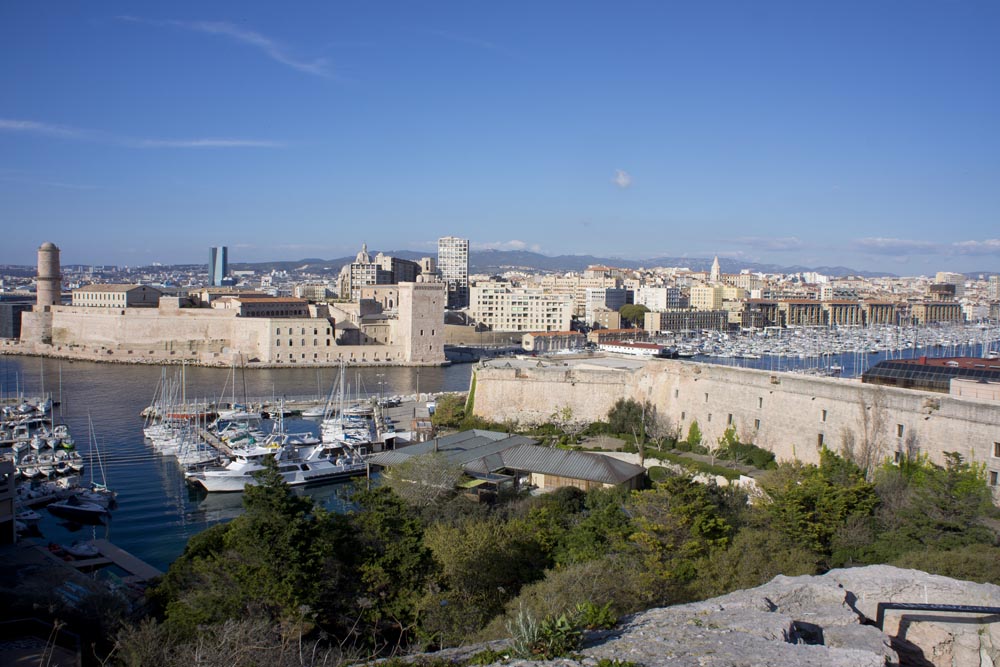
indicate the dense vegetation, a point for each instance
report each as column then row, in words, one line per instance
column 411, row 568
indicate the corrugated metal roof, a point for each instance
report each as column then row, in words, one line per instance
column 484, row 452
column 458, row 448
column 575, row 465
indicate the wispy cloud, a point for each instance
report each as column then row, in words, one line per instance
column 622, row 179
column 266, row 45
column 48, row 129
column 78, row 134
column 892, row 246
column 984, row 247
column 772, row 244
column 513, row 244
column 201, row 143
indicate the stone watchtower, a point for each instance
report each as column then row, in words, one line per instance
column 49, row 282
column 36, row 326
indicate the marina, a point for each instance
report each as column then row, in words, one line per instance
column 843, row 351
column 158, row 510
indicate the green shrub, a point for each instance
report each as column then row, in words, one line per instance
column 975, row 562
column 524, row 632
column 748, row 454
column 557, row 637
column 695, row 466
column 595, row 617
column 694, row 435
column 658, row 473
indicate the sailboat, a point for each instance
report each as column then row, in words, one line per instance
column 87, row 505
column 98, row 493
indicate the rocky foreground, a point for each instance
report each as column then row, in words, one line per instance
column 826, row 621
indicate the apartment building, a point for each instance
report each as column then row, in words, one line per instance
column 502, row 307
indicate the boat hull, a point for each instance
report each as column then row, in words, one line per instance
column 219, row 482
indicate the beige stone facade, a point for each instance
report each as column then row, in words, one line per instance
column 116, row 296
column 219, row 336
column 502, row 307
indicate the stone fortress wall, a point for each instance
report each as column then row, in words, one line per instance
column 792, row 415
column 218, row 337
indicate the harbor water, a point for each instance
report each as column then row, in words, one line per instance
column 157, row 510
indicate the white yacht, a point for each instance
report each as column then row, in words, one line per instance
column 298, row 465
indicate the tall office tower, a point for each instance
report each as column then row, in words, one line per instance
column 994, row 292
column 218, row 265
column 453, row 263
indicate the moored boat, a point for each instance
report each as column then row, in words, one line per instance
column 78, row 510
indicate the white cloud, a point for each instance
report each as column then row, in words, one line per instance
column 773, row 244
column 78, row 134
column 270, row 47
column 622, row 179
column 201, row 143
column 35, row 127
column 513, row 244
column 892, row 246
column 984, row 247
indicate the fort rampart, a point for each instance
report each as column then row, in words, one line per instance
column 792, row 415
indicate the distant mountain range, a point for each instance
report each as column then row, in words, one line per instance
column 498, row 261
column 492, row 262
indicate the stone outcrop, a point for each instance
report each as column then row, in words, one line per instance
column 826, row 621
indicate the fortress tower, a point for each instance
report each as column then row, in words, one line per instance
column 49, row 289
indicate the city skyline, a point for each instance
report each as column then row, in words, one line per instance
column 857, row 134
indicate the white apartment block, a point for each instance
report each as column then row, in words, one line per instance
column 502, row 307
column 658, row 298
column 453, row 264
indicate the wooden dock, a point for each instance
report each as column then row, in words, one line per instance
column 139, row 570
column 214, row 440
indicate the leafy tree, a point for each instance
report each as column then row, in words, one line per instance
column 483, row 564
column 629, row 416
column 694, row 435
column 281, row 559
column 602, row 528
column 677, row 523
column 973, row 562
column 392, row 563
column 811, row 503
column 425, row 480
column 449, row 411
column 633, row 314
column 926, row 506
column 755, row 556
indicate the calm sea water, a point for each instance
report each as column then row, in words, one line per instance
column 157, row 511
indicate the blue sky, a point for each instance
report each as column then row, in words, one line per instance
column 862, row 133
